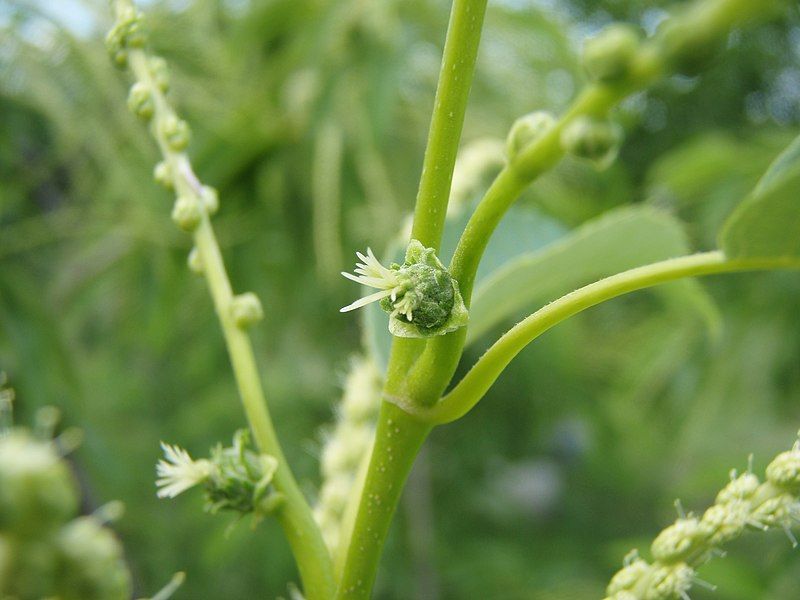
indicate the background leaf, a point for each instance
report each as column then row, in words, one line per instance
column 620, row 240
column 767, row 223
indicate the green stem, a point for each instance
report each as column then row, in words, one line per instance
column 450, row 104
column 483, row 374
column 294, row 515
column 400, row 436
column 398, row 439
column 310, row 552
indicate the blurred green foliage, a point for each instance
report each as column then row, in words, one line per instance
column 579, row 449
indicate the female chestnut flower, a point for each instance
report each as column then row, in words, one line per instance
column 234, row 477
column 421, row 296
column 179, row 471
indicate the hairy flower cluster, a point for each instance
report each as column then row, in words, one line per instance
column 421, row 296
column 235, row 478
column 347, row 446
column 690, row 541
column 45, row 551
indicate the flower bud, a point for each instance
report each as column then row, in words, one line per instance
column 140, row 101
column 246, row 309
column 592, row 139
column 432, row 303
column 162, row 173
column 93, row 565
column 116, row 47
column 195, row 261
column 687, row 50
column 608, row 56
column 241, row 480
column 526, row 130
column 775, row 511
column 159, row 71
column 784, row 470
column 739, row 488
column 127, row 32
column 628, row 576
column 37, row 490
column 131, row 22
column 670, row 582
column 724, row 522
column 678, row 541
column 186, row 213
column 210, row 199
column 175, row 132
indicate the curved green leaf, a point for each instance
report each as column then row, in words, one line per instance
column 767, row 223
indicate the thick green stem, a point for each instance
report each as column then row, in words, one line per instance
column 399, row 435
column 483, row 374
column 397, row 442
column 455, row 80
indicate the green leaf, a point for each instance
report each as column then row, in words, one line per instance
column 619, row 240
column 767, row 223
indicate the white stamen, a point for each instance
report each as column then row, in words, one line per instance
column 179, row 472
column 366, row 300
column 371, row 273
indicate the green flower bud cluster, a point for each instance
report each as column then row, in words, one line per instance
column 175, row 132
column 128, row 32
column 146, row 100
column 691, row 541
column 607, row 57
column 140, row 101
column 45, row 552
column 526, row 130
column 188, row 210
column 347, row 446
column 242, row 479
column 187, row 213
column 235, row 478
column 421, row 296
column 246, row 310
column 593, row 139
